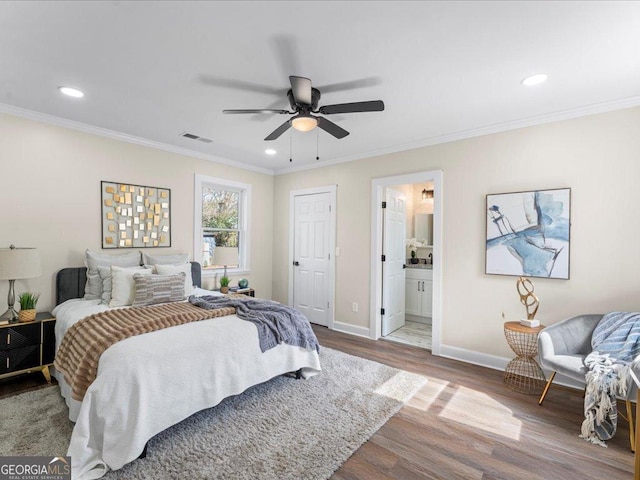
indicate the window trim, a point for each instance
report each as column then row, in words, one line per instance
column 244, row 224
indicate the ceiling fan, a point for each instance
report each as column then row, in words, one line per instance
column 303, row 99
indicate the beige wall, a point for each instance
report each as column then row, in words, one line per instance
column 597, row 156
column 50, row 197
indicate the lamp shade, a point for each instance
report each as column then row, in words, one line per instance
column 225, row 256
column 18, row 263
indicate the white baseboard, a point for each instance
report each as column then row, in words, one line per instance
column 497, row 363
column 352, row 329
column 477, row 358
column 415, row 318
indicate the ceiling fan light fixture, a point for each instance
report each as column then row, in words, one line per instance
column 536, row 79
column 304, row 123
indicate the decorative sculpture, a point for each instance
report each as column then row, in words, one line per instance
column 527, row 297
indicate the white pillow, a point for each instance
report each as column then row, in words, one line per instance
column 165, row 259
column 93, row 288
column 183, row 267
column 123, row 285
column 105, row 275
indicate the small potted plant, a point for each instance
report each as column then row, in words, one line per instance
column 413, row 245
column 28, row 302
column 224, row 285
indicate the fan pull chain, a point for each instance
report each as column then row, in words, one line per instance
column 317, row 144
column 290, row 147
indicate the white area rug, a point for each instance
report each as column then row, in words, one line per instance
column 282, row 429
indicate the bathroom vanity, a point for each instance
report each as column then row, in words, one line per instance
column 419, row 293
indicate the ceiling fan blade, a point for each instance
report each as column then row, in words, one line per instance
column 261, row 110
column 350, row 85
column 301, row 88
column 279, row 131
column 240, row 85
column 287, row 54
column 371, row 106
column 330, row 127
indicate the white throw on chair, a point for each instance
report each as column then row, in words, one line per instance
column 563, row 348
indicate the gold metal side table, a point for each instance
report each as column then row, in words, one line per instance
column 523, row 374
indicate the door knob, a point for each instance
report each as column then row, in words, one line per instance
column 296, row 263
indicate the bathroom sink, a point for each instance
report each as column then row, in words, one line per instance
column 420, row 265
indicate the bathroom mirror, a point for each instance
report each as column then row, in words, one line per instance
column 423, row 224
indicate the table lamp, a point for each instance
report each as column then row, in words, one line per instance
column 225, row 256
column 17, row 264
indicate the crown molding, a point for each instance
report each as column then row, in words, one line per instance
column 568, row 114
column 124, row 137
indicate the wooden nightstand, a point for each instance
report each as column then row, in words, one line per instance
column 244, row 291
column 28, row 347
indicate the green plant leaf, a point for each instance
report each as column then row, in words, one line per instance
column 28, row 300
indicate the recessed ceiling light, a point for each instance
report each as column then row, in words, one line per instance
column 71, row 92
column 270, row 151
column 534, row 79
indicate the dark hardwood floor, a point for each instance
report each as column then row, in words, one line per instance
column 463, row 424
column 23, row 383
column 466, row 424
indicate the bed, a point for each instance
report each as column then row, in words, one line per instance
column 147, row 383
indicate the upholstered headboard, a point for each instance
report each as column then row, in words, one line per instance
column 70, row 282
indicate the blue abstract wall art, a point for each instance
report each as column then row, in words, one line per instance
column 528, row 233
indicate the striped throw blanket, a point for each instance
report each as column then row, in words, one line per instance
column 83, row 344
column 615, row 343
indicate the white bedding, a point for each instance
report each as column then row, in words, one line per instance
column 149, row 382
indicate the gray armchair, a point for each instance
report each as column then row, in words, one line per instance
column 563, row 348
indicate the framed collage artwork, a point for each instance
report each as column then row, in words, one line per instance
column 135, row 216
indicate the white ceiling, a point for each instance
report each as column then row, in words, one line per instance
column 444, row 69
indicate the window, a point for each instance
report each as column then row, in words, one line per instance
column 221, row 220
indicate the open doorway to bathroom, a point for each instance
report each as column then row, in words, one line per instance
column 415, row 327
column 406, row 309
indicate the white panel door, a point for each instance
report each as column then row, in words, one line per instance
column 311, row 256
column 393, row 248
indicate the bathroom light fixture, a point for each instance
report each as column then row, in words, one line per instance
column 427, row 194
column 270, row 151
column 536, row 79
column 304, row 122
column 71, row 92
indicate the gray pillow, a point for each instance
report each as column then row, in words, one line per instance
column 152, row 289
column 165, row 259
column 93, row 288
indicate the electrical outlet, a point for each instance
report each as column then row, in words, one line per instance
column 337, row 251
column 354, row 307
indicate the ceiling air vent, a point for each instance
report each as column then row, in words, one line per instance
column 196, row 137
